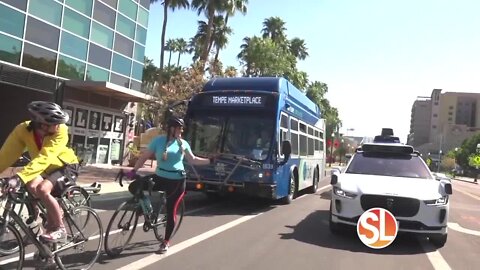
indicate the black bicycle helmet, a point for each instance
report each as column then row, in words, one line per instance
column 174, row 121
column 47, row 113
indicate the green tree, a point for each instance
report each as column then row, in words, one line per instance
column 264, row 57
column 274, row 28
column 468, row 147
column 298, row 48
column 149, row 77
column 231, row 72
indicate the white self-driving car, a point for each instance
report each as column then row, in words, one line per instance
column 392, row 176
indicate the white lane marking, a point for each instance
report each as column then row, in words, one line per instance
column 318, row 190
column 456, row 227
column 434, row 256
column 151, row 259
column 468, row 194
column 30, row 255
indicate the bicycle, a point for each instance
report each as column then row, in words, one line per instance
column 79, row 238
column 130, row 211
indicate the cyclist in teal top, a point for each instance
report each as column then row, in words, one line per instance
column 169, row 176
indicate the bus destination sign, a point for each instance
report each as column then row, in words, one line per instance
column 253, row 101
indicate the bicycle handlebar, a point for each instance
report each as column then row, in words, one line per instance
column 149, row 180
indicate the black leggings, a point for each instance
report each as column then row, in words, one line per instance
column 174, row 189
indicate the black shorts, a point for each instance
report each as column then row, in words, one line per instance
column 62, row 178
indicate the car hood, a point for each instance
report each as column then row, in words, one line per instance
column 423, row 189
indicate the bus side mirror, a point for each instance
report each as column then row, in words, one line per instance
column 286, row 151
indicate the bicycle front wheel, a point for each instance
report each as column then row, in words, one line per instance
column 121, row 228
column 84, row 239
column 161, row 223
column 11, row 240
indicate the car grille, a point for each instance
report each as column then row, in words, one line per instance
column 398, row 206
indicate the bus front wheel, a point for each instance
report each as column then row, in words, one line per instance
column 292, row 191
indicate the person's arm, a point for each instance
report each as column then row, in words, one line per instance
column 146, row 154
column 11, row 149
column 52, row 146
column 192, row 159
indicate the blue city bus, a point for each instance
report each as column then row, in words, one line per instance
column 268, row 136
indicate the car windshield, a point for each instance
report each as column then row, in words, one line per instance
column 246, row 135
column 388, row 165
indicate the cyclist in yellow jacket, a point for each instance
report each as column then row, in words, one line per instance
column 45, row 138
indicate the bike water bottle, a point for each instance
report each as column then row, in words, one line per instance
column 33, row 225
column 146, row 205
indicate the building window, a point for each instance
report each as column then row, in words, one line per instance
column 10, row 49
column 41, row 33
column 11, row 21
column 39, row 59
column 73, row 46
column 145, row 3
column 139, row 52
column 129, row 8
column 434, row 126
column 102, row 35
column 70, row 68
column 450, row 113
column 136, row 85
column 126, row 26
column 112, row 3
column 104, row 14
column 119, row 80
column 435, row 103
column 97, row 74
column 84, row 6
column 99, row 56
column 76, row 23
column 450, row 119
column 141, row 35
column 435, row 115
column 142, row 17
column 48, row 10
column 137, row 71
column 123, row 45
column 20, row 4
column 450, row 108
column 121, row 64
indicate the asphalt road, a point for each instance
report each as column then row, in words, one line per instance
column 245, row 233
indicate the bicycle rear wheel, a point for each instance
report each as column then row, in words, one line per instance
column 76, row 196
column 11, row 239
column 161, row 223
column 84, row 239
column 121, row 228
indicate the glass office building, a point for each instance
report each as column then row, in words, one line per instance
column 93, row 50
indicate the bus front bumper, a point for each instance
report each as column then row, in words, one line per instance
column 262, row 190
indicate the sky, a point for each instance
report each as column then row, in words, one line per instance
column 376, row 56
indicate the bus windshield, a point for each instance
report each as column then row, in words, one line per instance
column 247, row 135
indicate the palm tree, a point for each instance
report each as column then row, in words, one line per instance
column 170, row 47
column 232, row 6
column 243, row 53
column 231, row 71
column 194, row 47
column 274, row 28
column 298, row 48
column 208, row 7
column 172, row 4
column 220, row 35
column 182, row 47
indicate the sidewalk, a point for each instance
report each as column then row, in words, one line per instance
column 465, row 179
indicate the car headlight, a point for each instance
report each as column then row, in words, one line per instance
column 342, row 193
column 440, row 201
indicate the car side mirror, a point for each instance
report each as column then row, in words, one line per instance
column 448, row 189
column 286, row 151
column 334, row 179
column 335, row 171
